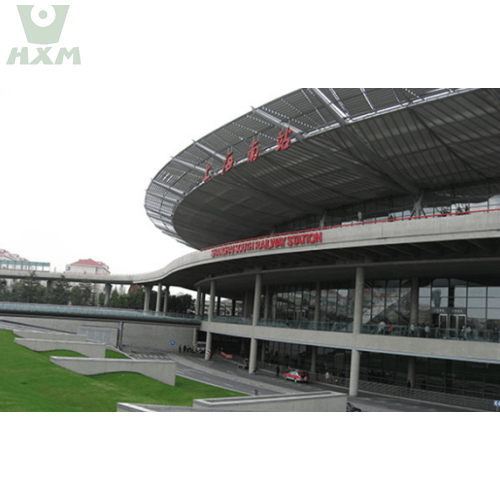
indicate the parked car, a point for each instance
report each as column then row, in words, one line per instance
column 297, row 376
column 351, row 407
column 243, row 364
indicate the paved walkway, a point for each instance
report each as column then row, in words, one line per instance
column 199, row 364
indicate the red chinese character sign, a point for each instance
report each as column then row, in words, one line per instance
column 207, row 173
column 254, row 152
column 228, row 163
column 283, row 141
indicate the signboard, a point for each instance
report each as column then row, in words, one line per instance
column 270, row 243
column 282, row 144
column 496, row 403
column 448, row 310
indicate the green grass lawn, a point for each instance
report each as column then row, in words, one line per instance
column 30, row 382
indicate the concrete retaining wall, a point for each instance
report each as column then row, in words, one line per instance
column 136, row 336
column 87, row 349
column 313, row 402
column 163, row 371
column 99, row 334
column 56, row 336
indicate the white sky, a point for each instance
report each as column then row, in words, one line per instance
column 80, row 144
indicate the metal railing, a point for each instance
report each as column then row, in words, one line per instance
column 474, row 335
column 95, row 312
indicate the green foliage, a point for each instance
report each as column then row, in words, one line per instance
column 59, row 292
column 30, row 382
column 82, row 295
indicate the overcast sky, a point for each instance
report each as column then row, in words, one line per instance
column 81, row 143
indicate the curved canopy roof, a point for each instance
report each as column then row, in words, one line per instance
column 347, row 146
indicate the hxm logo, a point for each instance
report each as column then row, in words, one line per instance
column 43, row 26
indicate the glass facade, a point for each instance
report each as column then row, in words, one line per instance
column 445, row 305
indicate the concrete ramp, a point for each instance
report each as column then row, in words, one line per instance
column 161, row 370
column 27, row 334
column 86, row 349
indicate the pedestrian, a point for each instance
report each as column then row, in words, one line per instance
column 412, row 330
column 468, row 332
column 463, row 333
column 381, row 328
column 427, row 331
column 277, row 370
column 389, row 330
column 327, row 378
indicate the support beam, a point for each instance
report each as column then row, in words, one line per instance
column 356, row 330
column 158, row 298
column 211, row 305
column 147, row 297
column 252, row 362
column 107, row 294
column 208, row 351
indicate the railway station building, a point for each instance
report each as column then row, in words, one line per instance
column 350, row 232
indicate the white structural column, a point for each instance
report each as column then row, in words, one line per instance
column 158, row 298
column 208, row 350
column 252, row 363
column 356, row 330
column 147, row 297
column 198, row 302
column 165, row 301
column 211, row 306
column 107, row 293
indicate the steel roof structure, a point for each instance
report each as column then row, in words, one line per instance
column 347, row 146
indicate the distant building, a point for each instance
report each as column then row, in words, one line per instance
column 87, row 266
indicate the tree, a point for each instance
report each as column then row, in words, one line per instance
column 60, row 292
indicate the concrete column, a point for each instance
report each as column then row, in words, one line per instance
column 202, row 312
column 107, row 293
column 412, row 371
column 158, row 299
column 358, row 320
column 218, row 305
column 263, row 352
column 314, row 355
column 195, row 336
column 165, row 300
column 211, row 305
column 147, row 297
column 252, row 362
column 233, row 308
column 317, row 306
column 208, row 352
column 197, row 309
